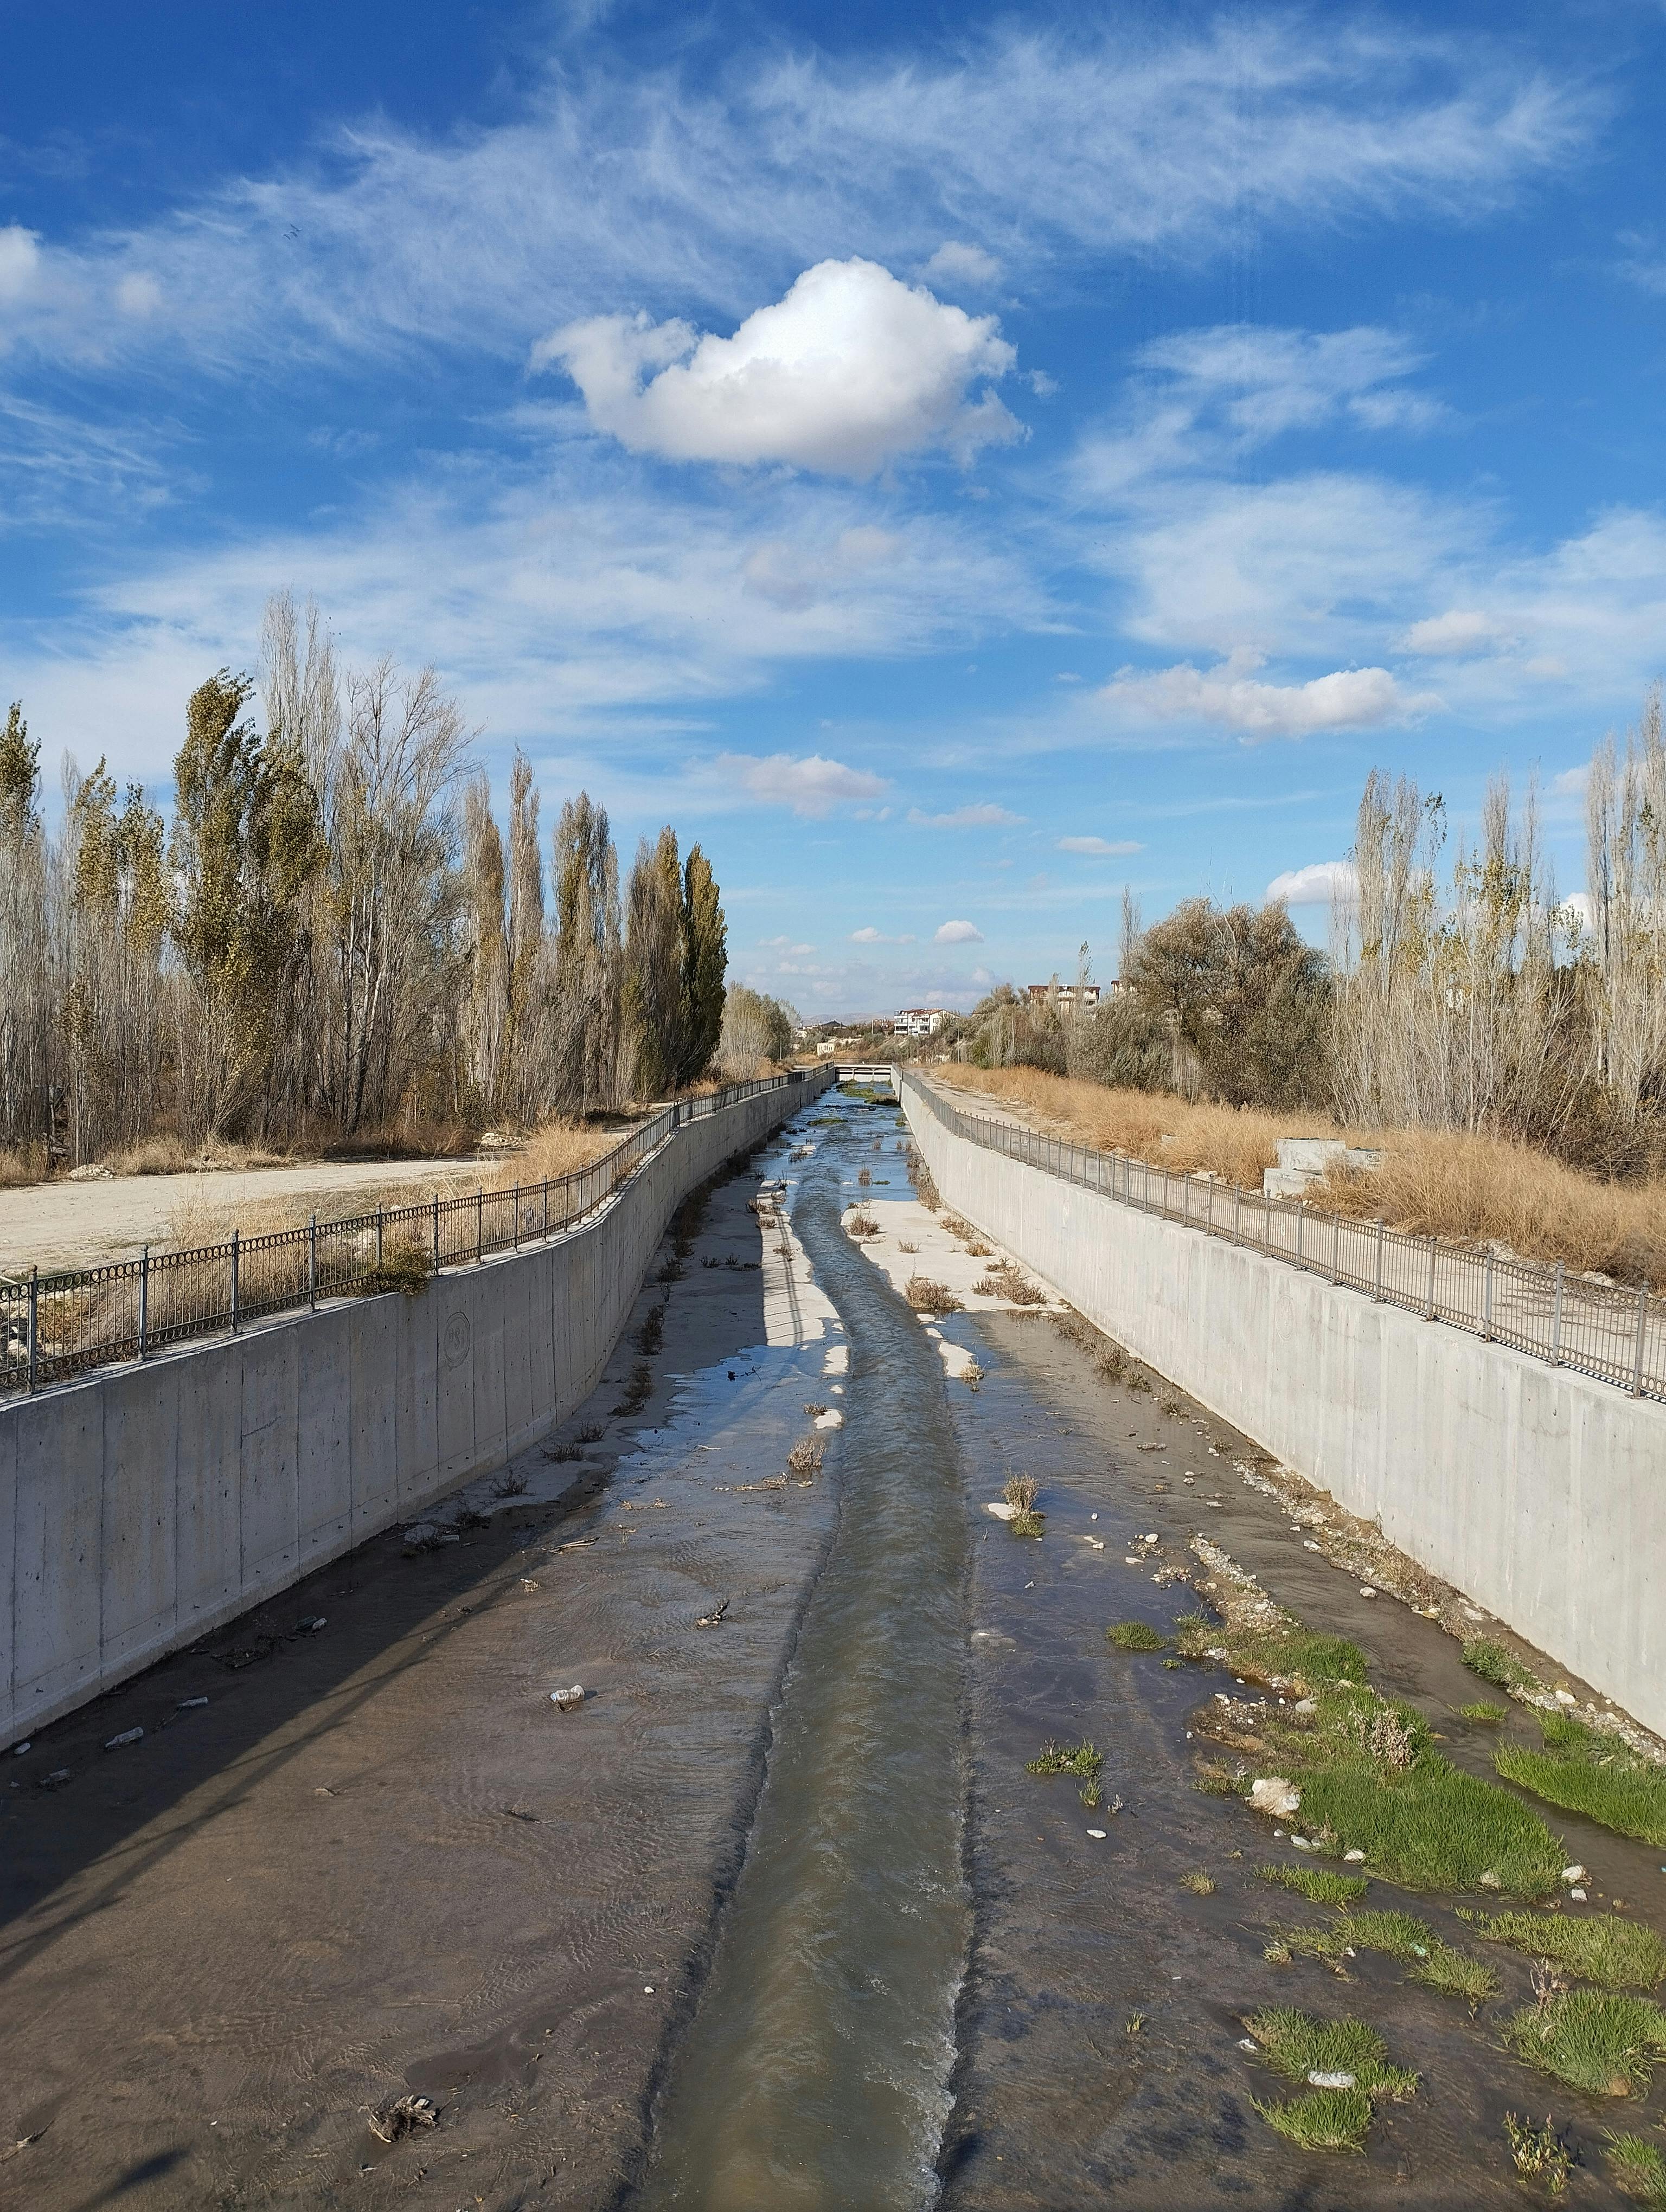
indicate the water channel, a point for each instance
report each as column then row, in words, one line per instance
column 816, row 2070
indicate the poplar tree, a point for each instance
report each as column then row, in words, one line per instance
column 705, row 965
column 652, row 1034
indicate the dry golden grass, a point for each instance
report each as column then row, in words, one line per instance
column 1478, row 1190
column 556, row 1148
column 27, row 1164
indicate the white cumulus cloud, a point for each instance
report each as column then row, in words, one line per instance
column 1456, row 634
column 981, row 816
column 851, row 370
column 1321, row 883
column 959, row 933
column 812, row 785
column 1348, row 699
column 1098, row 844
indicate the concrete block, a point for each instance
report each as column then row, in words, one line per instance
column 417, row 1448
column 372, row 1328
column 324, row 1456
column 60, row 1497
column 208, row 1494
column 454, row 1380
column 266, row 1459
column 139, row 1550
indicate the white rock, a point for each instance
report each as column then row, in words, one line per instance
column 1566, row 1698
column 18, row 1749
column 1305, row 1705
column 1001, row 1512
column 1246, row 2043
column 1575, row 1874
column 1303, row 1843
column 1275, row 1794
column 1490, row 1880
column 1353, row 1858
column 1577, row 1895
column 1365, row 1590
column 1092, row 1516
column 127, row 1735
column 566, row 1700
column 1097, row 1834
column 1316, row 2081
column 1308, row 1544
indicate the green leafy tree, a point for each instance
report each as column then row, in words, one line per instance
column 1245, row 997
column 652, row 1000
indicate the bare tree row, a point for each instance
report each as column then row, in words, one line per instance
column 331, row 938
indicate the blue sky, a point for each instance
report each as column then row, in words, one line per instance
column 951, row 464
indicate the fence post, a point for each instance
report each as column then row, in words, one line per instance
column 1487, row 1301
column 311, row 1263
column 1301, row 1232
column 1237, row 1209
column 379, row 1237
column 144, row 1299
column 1642, row 1318
column 34, row 1324
column 1186, row 1200
column 436, row 1232
column 1166, row 1194
column 1335, row 1248
column 517, row 1217
column 234, row 1255
column 546, row 1206
column 480, row 1225
column 1429, row 1313
column 1556, row 1322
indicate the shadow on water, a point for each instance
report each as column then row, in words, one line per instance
column 815, row 2071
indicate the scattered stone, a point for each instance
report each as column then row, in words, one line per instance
column 1275, row 1794
column 1490, row 1880
column 1353, row 1858
column 566, row 1700
column 1575, row 1874
column 1365, row 1590
column 427, row 1536
column 312, row 1624
column 60, row 1775
column 1097, row 1834
column 189, row 1704
column 1577, row 1895
column 710, row 1619
column 1305, row 1705
column 1248, row 2043
column 1303, row 1843
column 1001, row 1512
column 90, row 1174
column 1566, row 1698
column 127, row 1735
column 1317, row 2081
column 18, row 1749
column 403, row 2118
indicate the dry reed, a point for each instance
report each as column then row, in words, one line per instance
column 1473, row 1189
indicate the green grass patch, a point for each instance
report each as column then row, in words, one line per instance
column 1283, row 1655
column 1083, row 1760
column 1616, row 1955
column 1481, row 1710
column 1488, row 1659
column 1432, row 1961
column 1606, row 2045
column 1317, row 1883
column 1430, row 1826
column 1583, row 1771
column 1299, row 2045
column 1638, row 2167
column 1136, row 1636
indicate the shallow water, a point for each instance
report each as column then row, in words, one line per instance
column 815, row 2072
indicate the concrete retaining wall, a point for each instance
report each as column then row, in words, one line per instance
column 1539, row 1493
column 148, row 1504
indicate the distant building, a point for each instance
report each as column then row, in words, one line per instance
column 1070, row 994
column 918, row 1022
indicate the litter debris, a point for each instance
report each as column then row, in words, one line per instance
column 189, row 1704
column 566, row 1700
column 403, row 2118
column 427, row 1536
column 18, row 1749
column 60, row 1775
column 1353, row 1858
column 127, row 1735
column 312, row 1624
column 1002, row 1512
column 1248, row 2043
column 710, row 1619
column 1575, row 1874
column 1097, row 1542
column 1275, row 1794
column 577, row 1543
column 1316, row 2081
column 1097, row 1834
column 1577, row 1895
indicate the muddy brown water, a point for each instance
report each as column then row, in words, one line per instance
column 776, row 1918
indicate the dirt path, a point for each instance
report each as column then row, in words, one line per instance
column 82, row 1224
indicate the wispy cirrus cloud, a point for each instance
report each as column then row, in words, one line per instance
column 980, row 814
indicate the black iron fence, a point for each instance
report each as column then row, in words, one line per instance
column 1616, row 1334
column 53, row 1325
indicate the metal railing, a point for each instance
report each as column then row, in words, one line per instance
column 54, row 1326
column 1602, row 1330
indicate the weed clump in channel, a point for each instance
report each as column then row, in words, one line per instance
column 1583, row 1771
column 1615, row 1955
column 1136, row 1636
column 1481, row 1710
column 1639, row 2168
column 1318, row 1884
column 927, row 1296
column 1345, row 2063
column 1538, row 2154
column 1484, row 1657
column 1021, row 1492
column 1605, row 2045
column 1085, row 1761
column 1436, row 1963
